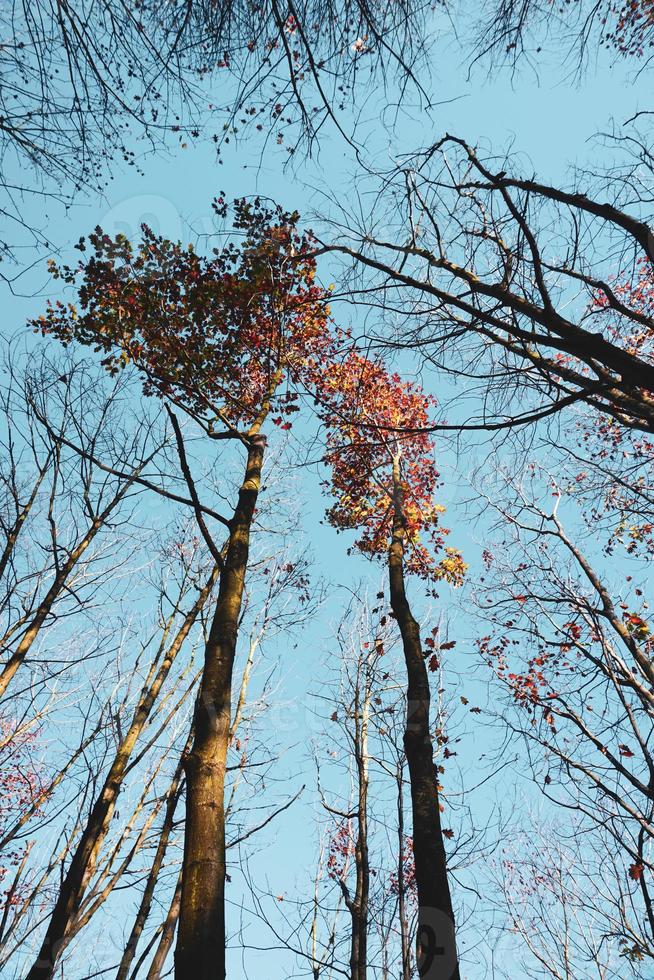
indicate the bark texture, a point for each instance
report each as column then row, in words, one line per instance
column 200, row 950
column 435, row 942
column 401, row 887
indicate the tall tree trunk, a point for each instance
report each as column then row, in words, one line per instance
column 200, row 951
column 86, row 853
column 359, row 905
column 401, row 884
column 435, row 942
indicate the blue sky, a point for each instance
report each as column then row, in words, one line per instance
column 548, row 120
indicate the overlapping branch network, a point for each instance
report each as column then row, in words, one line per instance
column 533, row 297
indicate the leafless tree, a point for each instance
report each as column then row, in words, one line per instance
column 569, row 640
column 531, row 297
column 510, row 32
column 81, row 82
column 65, row 521
column 561, row 897
column 81, row 867
column 363, row 894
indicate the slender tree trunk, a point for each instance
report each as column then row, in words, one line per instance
column 200, row 951
column 359, row 905
column 18, row 656
column 315, row 962
column 153, row 876
column 435, row 943
column 21, row 518
column 86, row 853
column 167, row 934
column 359, row 908
column 401, row 884
column 24, row 646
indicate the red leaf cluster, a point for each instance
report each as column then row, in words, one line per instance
column 21, row 785
column 372, row 416
column 240, row 336
column 341, row 849
column 212, row 334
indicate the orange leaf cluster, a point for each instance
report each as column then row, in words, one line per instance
column 208, row 333
column 372, row 416
column 240, row 336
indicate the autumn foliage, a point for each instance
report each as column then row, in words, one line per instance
column 341, row 851
column 630, row 25
column 234, row 340
column 21, row 787
column 372, row 417
column 215, row 335
column 248, row 330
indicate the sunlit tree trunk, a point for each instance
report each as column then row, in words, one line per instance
column 56, row 589
column 200, row 951
column 85, row 857
column 145, row 904
column 167, row 934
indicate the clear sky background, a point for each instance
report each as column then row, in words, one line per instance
column 550, row 119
